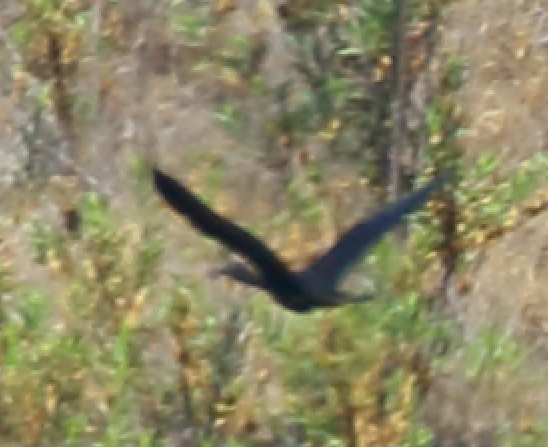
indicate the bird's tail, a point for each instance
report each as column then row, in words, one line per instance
column 341, row 299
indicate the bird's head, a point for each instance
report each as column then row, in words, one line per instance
column 240, row 272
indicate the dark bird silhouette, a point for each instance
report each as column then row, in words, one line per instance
column 303, row 291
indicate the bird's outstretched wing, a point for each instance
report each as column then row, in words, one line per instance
column 332, row 265
column 215, row 226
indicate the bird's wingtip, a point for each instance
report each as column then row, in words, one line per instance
column 157, row 175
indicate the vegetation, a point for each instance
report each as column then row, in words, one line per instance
column 104, row 345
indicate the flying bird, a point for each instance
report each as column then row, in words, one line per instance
column 301, row 291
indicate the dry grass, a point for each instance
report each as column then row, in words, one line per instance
column 504, row 45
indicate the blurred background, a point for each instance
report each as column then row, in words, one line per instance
column 295, row 119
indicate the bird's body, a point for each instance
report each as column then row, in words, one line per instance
column 314, row 287
column 296, row 291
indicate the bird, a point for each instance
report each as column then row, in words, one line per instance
column 315, row 286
